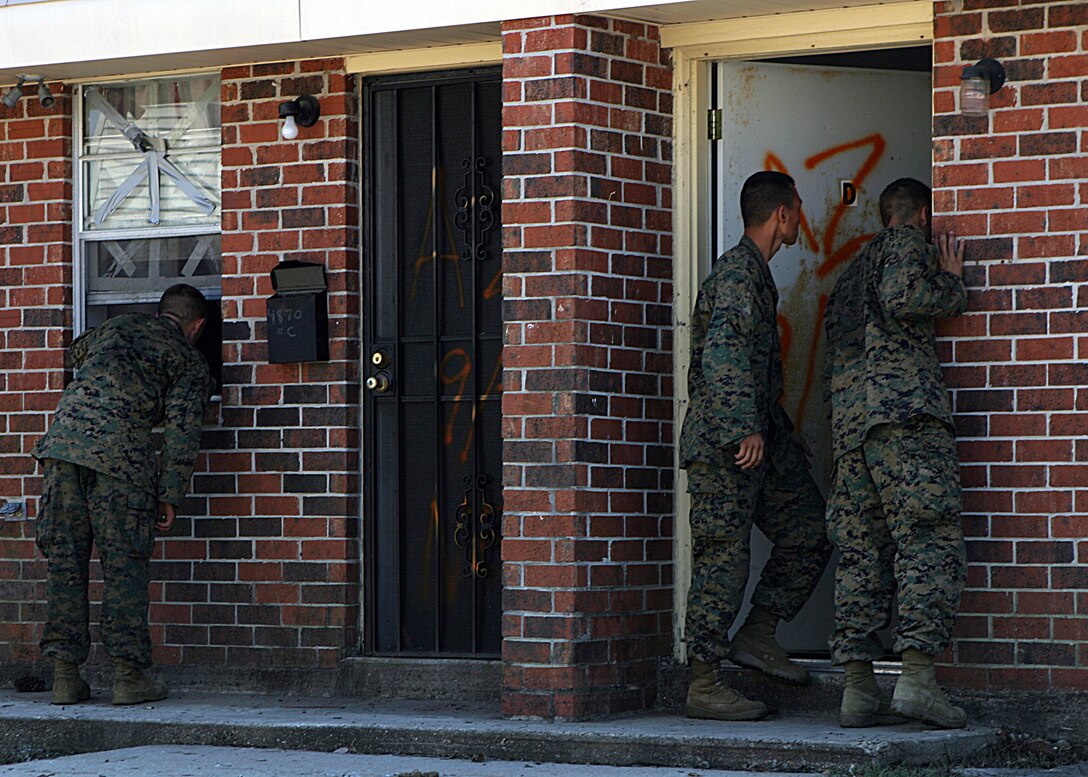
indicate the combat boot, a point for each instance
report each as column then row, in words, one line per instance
column 132, row 686
column 754, row 646
column 709, row 698
column 68, row 686
column 863, row 705
column 918, row 696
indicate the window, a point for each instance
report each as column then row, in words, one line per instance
column 148, row 204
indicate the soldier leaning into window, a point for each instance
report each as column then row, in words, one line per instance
column 894, row 510
column 102, row 483
column 745, row 464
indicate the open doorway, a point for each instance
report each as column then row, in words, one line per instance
column 844, row 126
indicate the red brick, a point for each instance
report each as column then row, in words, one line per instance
column 1019, row 170
column 1044, row 349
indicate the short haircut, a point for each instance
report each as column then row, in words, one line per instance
column 183, row 302
column 903, row 198
column 761, row 195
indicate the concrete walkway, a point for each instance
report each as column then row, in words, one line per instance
column 184, row 761
column 32, row 728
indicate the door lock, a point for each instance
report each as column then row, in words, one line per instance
column 379, row 383
column 379, row 359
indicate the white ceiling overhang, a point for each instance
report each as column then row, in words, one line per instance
column 79, row 39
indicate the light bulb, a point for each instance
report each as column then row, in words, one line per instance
column 290, row 129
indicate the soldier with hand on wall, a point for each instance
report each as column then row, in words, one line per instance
column 745, row 464
column 104, row 486
column 894, row 509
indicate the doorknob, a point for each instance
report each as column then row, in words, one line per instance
column 379, row 383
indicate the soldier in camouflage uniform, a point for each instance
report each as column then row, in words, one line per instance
column 745, row 464
column 894, row 509
column 103, row 484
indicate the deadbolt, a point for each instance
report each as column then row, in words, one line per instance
column 379, row 383
column 379, row 359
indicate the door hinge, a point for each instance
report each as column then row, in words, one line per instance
column 714, row 124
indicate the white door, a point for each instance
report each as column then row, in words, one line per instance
column 835, row 130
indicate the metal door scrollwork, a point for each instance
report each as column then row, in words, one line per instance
column 476, row 547
column 475, row 201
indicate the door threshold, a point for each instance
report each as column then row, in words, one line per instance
column 453, row 679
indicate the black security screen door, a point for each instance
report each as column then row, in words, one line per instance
column 432, row 365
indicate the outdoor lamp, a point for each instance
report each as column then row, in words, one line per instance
column 301, row 112
column 12, row 96
column 977, row 83
column 45, row 97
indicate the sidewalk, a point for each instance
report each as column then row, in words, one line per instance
column 31, row 728
column 184, row 761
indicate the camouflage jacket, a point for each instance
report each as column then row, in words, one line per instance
column 882, row 364
column 135, row 372
column 735, row 376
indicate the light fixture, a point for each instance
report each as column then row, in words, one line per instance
column 301, row 112
column 977, row 83
column 12, row 96
column 45, row 97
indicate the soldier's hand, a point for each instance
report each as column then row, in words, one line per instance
column 950, row 254
column 166, row 516
column 750, row 453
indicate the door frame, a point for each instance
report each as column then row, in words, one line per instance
column 376, row 69
column 693, row 46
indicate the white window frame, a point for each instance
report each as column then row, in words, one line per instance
column 81, row 236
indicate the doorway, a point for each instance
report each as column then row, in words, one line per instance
column 843, row 126
column 432, row 339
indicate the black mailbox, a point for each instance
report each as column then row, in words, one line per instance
column 298, row 314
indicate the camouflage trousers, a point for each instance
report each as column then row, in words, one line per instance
column 894, row 513
column 788, row 508
column 80, row 506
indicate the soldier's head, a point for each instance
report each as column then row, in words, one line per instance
column 187, row 306
column 906, row 201
column 769, row 200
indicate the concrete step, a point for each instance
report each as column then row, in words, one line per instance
column 30, row 727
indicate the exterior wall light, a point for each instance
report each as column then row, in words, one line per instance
column 977, row 83
column 301, row 112
column 12, row 96
column 45, row 97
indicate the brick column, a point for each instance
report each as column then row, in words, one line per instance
column 267, row 574
column 1015, row 183
column 35, row 330
column 587, row 409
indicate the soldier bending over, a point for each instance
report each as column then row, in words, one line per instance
column 745, row 464
column 894, row 510
column 102, row 484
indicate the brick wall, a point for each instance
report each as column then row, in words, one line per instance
column 587, row 404
column 35, row 329
column 1015, row 183
column 267, row 574
column 262, row 567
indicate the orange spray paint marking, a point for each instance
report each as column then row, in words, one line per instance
column 494, row 287
column 835, row 257
column 448, row 379
column 810, row 367
column 785, row 337
column 492, row 384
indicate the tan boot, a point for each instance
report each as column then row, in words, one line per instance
column 68, row 686
column 862, row 703
column 708, row 698
column 132, row 686
column 754, row 646
column 918, row 696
